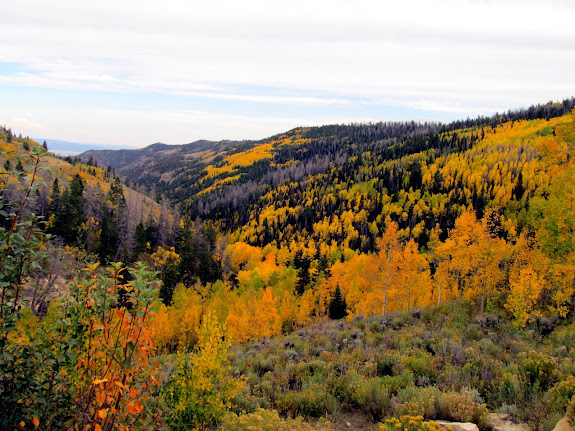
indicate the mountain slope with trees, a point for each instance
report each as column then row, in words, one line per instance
column 391, row 270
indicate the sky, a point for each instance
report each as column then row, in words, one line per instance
column 129, row 73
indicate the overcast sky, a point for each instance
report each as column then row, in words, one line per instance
column 131, row 73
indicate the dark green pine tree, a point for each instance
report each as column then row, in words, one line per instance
column 151, row 233
column 69, row 223
column 140, row 239
column 337, row 306
column 187, row 248
column 112, row 223
column 54, row 207
column 108, row 238
column 7, row 165
column 55, row 203
column 19, row 166
column 116, row 195
column 302, row 265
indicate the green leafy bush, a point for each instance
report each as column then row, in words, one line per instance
column 509, row 390
column 421, row 365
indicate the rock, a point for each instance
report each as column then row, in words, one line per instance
column 564, row 425
column 459, row 426
column 503, row 422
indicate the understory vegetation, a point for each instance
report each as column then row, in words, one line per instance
column 443, row 362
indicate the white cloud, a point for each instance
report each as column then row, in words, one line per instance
column 466, row 56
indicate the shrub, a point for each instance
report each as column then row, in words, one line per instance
column 268, row 420
column 263, row 365
column 562, row 392
column 389, row 365
column 403, row 319
column 571, row 411
column 416, row 401
column 395, row 383
column 201, row 390
column 550, row 421
column 332, row 404
column 461, row 407
column 565, row 336
column 290, row 379
column 373, row 398
column 311, row 368
column 245, row 402
column 345, row 387
column 264, row 388
column 487, row 347
column 536, row 369
column 307, row 402
column 509, row 390
column 420, row 364
column 411, row 423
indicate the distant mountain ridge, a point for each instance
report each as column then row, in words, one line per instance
column 161, row 163
column 120, row 158
column 67, row 148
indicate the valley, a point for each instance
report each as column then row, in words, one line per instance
column 359, row 273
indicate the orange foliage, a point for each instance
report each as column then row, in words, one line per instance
column 251, row 319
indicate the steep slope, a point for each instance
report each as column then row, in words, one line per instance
column 17, row 149
column 160, row 162
column 318, row 172
column 473, row 210
column 80, row 203
column 340, row 183
column 441, row 363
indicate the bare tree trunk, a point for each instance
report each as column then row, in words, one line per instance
column 439, row 294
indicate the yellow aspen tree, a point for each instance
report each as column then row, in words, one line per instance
column 201, row 389
column 440, row 263
column 267, row 321
column 492, row 251
column 414, row 270
column 524, row 293
column 464, row 253
column 388, row 257
column 563, row 282
column 361, row 283
column 306, row 308
column 445, row 288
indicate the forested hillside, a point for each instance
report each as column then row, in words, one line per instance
column 80, row 204
column 445, row 251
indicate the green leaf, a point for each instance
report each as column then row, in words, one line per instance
column 128, row 362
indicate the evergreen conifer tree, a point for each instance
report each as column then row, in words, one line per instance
column 337, row 306
column 68, row 224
